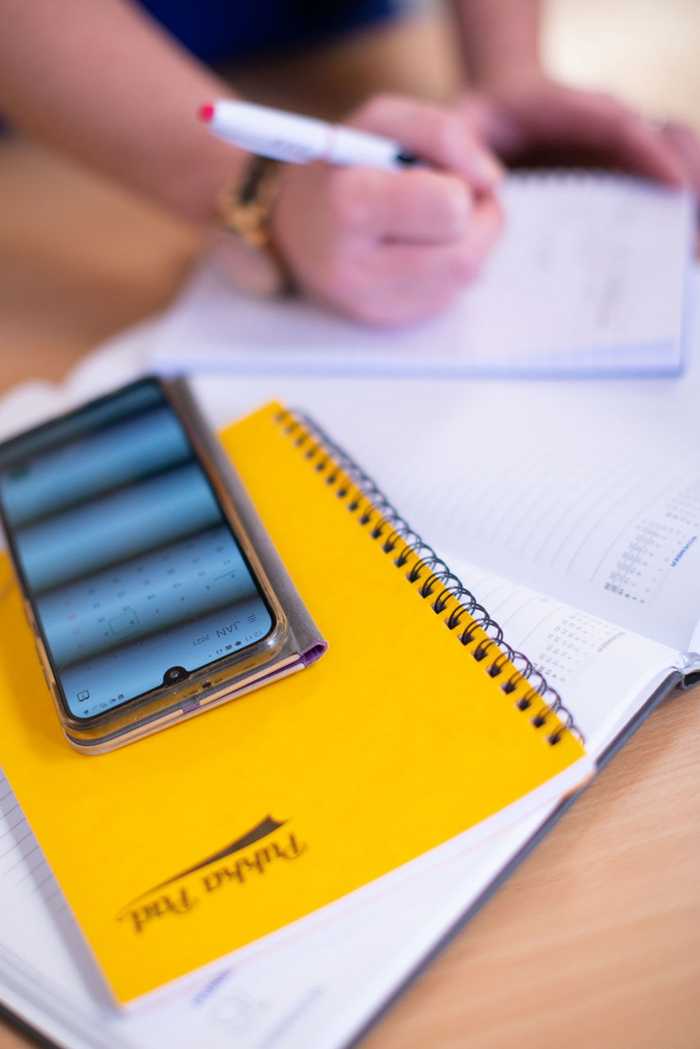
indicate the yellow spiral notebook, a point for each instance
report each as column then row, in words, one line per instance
column 418, row 725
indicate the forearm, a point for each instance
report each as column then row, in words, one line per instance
column 101, row 82
column 500, row 39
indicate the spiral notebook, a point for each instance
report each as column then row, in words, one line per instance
column 421, row 724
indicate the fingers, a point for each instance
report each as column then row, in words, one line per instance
column 405, row 283
column 639, row 147
column 453, row 265
column 485, row 228
column 435, row 134
column 619, row 135
column 494, row 124
column 418, row 206
column 686, row 145
column 547, row 118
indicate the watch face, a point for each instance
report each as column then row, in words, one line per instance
column 254, row 271
column 246, row 253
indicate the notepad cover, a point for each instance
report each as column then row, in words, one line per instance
column 182, row 847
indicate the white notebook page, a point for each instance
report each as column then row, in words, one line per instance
column 592, row 496
column 588, row 278
column 600, row 669
column 587, row 492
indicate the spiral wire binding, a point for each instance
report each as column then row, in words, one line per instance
column 440, row 581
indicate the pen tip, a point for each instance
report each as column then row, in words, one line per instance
column 206, row 112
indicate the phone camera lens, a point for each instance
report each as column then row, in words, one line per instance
column 174, row 674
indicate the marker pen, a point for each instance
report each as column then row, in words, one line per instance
column 298, row 139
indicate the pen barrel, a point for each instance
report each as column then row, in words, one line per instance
column 300, row 140
column 359, row 148
column 271, row 132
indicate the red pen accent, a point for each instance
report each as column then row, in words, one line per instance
column 206, row 112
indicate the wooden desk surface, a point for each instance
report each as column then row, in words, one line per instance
column 596, row 939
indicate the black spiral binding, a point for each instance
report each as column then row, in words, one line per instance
column 373, row 508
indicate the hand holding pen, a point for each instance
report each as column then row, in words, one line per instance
column 382, row 239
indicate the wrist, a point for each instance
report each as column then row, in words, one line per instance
column 196, row 178
column 247, row 246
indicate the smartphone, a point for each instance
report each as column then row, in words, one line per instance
column 149, row 582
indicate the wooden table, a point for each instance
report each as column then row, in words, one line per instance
column 596, row 938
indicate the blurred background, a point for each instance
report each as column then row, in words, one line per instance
column 80, row 259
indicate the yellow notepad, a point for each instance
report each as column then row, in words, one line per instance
column 178, row 849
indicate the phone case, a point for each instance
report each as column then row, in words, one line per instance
column 293, row 644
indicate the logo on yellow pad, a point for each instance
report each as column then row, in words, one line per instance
column 155, row 904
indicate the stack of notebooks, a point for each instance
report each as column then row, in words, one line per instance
column 408, row 771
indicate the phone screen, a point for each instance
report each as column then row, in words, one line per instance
column 135, row 577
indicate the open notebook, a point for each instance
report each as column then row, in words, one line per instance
column 319, row 990
column 589, row 278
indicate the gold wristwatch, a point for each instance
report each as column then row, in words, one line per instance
column 247, row 251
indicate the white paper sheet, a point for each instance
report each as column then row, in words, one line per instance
column 589, row 278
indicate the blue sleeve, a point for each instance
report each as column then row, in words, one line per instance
column 220, row 30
